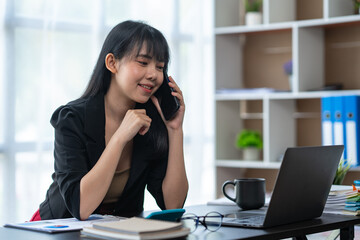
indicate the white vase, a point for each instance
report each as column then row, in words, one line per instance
column 253, row 18
column 251, row 153
column 291, row 82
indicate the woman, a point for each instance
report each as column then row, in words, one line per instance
column 114, row 141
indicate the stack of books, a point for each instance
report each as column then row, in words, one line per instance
column 353, row 203
column 343, row 200
column 136, row 228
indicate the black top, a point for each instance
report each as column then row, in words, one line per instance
column 79, row 143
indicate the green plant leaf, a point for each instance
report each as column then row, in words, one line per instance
column 341, row 172
column 249, row 138
column 253, row 5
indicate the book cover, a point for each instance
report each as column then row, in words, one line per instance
column 136, row 225
column 103, row 234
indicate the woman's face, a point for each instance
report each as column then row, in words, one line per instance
column 139, row 76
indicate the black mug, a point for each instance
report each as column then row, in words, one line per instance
column 249, row 192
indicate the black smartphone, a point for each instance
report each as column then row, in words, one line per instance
column 169, row 104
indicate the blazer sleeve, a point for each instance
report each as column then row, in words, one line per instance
column 71, row 161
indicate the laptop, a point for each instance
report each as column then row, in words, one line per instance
column 301, row 189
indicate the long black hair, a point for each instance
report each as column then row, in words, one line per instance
column 124, row 40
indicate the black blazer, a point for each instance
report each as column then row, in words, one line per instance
column 79, row 143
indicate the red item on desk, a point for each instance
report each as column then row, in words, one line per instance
column 36, row 216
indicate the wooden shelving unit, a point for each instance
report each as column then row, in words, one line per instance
column 321, row 37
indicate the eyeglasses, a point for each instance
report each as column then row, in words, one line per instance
column 211, row 221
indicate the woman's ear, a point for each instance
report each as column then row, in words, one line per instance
column 110, row 62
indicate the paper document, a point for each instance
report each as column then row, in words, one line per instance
column 63, row 224
column 244, row 90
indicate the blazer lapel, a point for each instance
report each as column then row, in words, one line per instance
column 95, row 127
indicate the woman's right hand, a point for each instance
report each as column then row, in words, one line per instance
column 135, row 121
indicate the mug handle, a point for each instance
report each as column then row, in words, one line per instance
column 224, row 191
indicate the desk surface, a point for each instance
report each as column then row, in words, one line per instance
column 326, row 223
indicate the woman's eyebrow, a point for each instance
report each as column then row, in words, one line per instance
column 148, row 57
column 144, row 56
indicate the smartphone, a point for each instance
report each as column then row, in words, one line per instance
column 169, row 104
column 172, row 215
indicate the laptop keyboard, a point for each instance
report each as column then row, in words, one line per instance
column 258, row 220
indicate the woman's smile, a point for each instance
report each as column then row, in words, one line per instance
column 146, row 87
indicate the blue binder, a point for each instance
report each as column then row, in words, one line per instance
column 326, row 121
column 339, row 122
column 352, row 122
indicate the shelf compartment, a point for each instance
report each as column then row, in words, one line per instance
column 292, row 10
column 227, row 13
column 308, row 59
column 228, row 61
column 280, row 129
column 264, row 55
column 326, row 55
column 308, row 128
column 342, row 54
column 309, row 9
column 229, row 124
column 336, row 8
column 227, row 114
column 251, row 110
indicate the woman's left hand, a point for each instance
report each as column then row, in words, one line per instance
column 177, row 120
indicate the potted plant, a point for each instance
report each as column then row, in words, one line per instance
column 251, row 143
column 341, row 171
column 357, row 6
column 253, row 14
